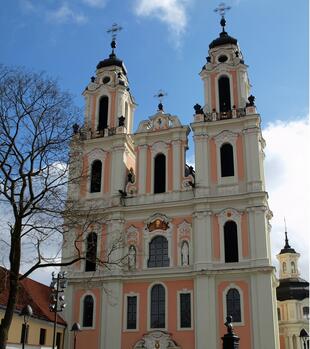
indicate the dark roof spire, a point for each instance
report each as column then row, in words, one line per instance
column 224, row 38
column 287, row 248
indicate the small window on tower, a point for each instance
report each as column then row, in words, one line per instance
column 222, row 58
column 305, row 313
column 284, row 267
column 103, row 113
column 106, row 79
column 293, row 268
column 159, row 174
column 231, row 242
column 96, row 173
column 227, row 160
column 224, row 94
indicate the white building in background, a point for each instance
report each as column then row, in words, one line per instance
column 293, row 300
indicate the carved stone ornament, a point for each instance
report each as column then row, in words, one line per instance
column 159, row 121
column 132, row 235
column 226, row 136
column 184, row 231
column 156, row 340
column 157, row 222
column 96, row 154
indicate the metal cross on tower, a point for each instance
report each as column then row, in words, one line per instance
column 221, row 9
column 160, row 95
column 113, row 31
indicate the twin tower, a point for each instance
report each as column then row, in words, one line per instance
column 169, row 251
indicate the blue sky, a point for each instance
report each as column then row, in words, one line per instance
column 164, row 44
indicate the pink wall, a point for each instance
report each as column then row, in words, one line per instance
column 213, row 162
column 245, row 236
column 186, row 339
column 240, row 160
column 216, row 239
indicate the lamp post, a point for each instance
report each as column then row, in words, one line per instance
column 26, row 313
column 57, row 304
column 75, row 328
column 304, row 338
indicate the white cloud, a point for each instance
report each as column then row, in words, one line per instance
column 95, row 3
column 288, row 183
column 170, row 12
column 66, row 14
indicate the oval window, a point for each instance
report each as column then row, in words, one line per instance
column 106, row 79
column 222, row 59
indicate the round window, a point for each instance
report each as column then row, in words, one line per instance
column 106, row 79
column 222, row 59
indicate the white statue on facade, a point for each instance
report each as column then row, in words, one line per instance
column 185, row 254
column 132, row 258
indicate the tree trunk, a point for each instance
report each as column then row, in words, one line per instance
column 14, row 283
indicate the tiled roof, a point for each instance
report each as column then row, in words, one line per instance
column 31, row 292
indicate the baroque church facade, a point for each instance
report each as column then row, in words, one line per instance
column 194, row 245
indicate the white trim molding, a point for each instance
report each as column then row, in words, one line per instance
column 149, row 328
column 224, row 216
column 184, row 291
column 220, row 139
column 81, row 315
column 126, row 295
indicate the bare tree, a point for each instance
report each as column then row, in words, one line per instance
column 36, row 121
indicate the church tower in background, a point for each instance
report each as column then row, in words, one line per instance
column 190, row 246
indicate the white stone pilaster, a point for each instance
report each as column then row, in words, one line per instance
column 264, row 323
column 142, row 168
column 202, row 240
column 201, row 161
column 111, row 324
column 176, row 151
column 118, row 173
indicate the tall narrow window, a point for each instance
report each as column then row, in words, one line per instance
column 224, row 94
column 231, row 242
column 131, row 312
column 279, row 314
column 88, row 311
column 158, row 252
column 293, row 268
column 159, row 174
column 233, row 307
column 284, row 267
column 103, row 113
column 42, row 336
column 158, row 299
column 91, row 252
column 95, row 177
column 185, row 310
column 227, row 160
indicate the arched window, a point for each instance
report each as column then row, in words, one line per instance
column 91, row 252
column 158, row 253
column 233, row 306
column 224, row 94
column 293, row 268
column 158, row 307
column 231, row 242
column 88, row 311
column 95, row 176
column 284, row 267
column 103, row 113
column 160, row 174
column 227, row 160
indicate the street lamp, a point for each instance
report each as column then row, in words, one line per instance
column 57, row 304
column 26, row 313
column 304, row 338
column 75, row 328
